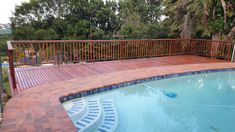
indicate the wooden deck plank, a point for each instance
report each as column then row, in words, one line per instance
column 28, row 77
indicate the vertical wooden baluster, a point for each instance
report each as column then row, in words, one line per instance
column 70, row 52
column 95, row 51
column 101, row 50
column 117, row 51
column 54, row 54
column 48, row 52
column 43, row 53
column 50, row 44
column 90, row 51
column 142, row 48
column 27, row 46
column 112, row 53
column 110, row 49
column 87, row 52
column 145, row 48
column 79, row 55
column 105, row 50
column 105, row 47
column 61, row 54
column 82, row 50
column 121, row 49
column 129, row 47
column 31, row 49
column 75, row 51
column 139, row 48
column 38, row 54
column 65, row 59
column 20, row 54
column 16, row 52
column 125, row 47
column 100, row 45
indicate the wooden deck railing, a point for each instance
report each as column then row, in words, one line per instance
column 78, row 51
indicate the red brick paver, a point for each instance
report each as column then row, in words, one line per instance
column 39, row 109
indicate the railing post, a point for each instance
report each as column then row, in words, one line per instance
column 91, row 52
column 11, row 65
column 189, row 47
column 57, row 53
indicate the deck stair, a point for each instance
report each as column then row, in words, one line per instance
column 92, row 115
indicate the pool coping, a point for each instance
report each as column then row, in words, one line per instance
column 97, row 90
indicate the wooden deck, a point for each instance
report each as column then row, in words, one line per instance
column 29, row 77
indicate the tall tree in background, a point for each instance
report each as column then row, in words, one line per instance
column 64, row 19
column 201, row 18
column 88, row 19
column 141, row 19
column 129, row 19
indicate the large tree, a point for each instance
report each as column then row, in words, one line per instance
column 64, row 19
column 201, row 18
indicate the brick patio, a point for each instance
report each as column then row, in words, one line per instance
column 39, row 109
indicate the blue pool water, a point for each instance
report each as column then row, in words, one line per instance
column 195, row 103
column 4, row 65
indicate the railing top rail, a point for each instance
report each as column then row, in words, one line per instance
column 209, row 40
column 132, row 40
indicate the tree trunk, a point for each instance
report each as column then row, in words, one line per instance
column 225, row 10
column 186, row 32
column 231, row 35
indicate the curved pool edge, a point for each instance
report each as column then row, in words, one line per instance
column 39, row 108
column 96, row 90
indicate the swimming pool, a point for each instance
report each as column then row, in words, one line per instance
column 194, row 103
column 4, row 65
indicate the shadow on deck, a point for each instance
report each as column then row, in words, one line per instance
column 28, row 77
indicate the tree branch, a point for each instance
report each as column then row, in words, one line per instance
column 224, row 8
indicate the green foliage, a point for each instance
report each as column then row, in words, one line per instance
column 3, row 43
column 5, row 81
column 208, row 16
column 129, row 19
column 42, row 34
column 85, row 19
column 157, row 31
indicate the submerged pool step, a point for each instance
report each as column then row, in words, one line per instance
column 75, row 109
column 92, row 115
column 91, row 118
column 109, row 117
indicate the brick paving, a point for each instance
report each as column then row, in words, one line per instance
column 39, row 109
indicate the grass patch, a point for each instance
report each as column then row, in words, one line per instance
column 6, row 86
column 6, row 81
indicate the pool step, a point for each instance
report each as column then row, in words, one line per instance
column 91, row 118
column 109, row 117
column 76, row 109
column 92, row 115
